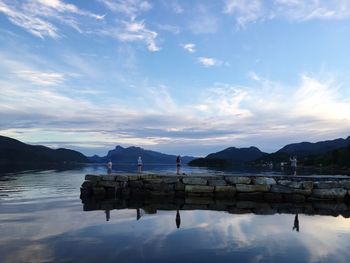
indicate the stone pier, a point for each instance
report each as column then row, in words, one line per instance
column 291, row 189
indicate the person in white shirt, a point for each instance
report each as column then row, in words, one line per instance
column 139, row 165
column 109, row 167
column 293, row 165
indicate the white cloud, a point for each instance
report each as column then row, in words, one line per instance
column 246, row 12
column 38, row 16
column 209, row 62
column 32, row 24
column 131, row 8
column 190, row 47
column 42, row 78
column 252, row 75
column 136, row 31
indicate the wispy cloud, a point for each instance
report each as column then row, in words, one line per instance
column 42, row 78
column 177, row 8
column 38, row 17
column 246, row 12
column 131, row 8
column 136, row 31
column 209, row 62
column 190, row 47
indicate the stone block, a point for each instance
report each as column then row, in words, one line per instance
column 179, row 186
column 245, row 188
column 86, row 184
column 228, row 190
column 98, row 191
column 199, row 189
column 217, row 182
column 194, row 181
column 170, row 180
column 136, row 184
column 308, row 185
column 108, row 184
column 134, row 177
column 326, row 185
column 288, row 190
column 108, row 178
column 344, row 184
column 238, row 179
column 264, row 180
column 334, row 193
column 121, row 178
column 92, row 177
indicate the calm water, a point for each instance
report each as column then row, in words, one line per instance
column 42, row 220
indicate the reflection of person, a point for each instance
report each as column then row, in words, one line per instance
column 178, row 219
column 108, row 215
column 109, row 167
column 139, row 165
column 178, row 164
column 138, row 213
column 293, row 165
column 296, row 223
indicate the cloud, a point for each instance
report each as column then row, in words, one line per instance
column 136, row 31
column 246, row 12
column 190, row 47
column 177, row 8
column 209, row 62
column 42, row 78
column 38, row 16
column 252, row 75
column 32, row 24
column 131, row 8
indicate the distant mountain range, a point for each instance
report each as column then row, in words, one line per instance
column 229, row 156
column 129, row 155
column 15, row 152
column 330, row 152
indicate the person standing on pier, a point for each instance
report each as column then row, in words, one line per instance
column 139, row 165
column 178, row 164
column 109, row 167
column 293, row 165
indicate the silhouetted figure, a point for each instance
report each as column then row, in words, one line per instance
column 178, row 164
column 296, row 223
column 178, row 219
column 109, row 167
column 108, row 215
column 139, row 165
column 138, row 213
column 293, row 165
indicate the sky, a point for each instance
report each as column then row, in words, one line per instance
column 185, row 77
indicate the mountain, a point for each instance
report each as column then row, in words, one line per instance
column 121, row 155
column 229, row 156
column 307, row 148
column 304, row 150
column 15, row 152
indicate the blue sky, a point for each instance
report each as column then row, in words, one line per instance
column 181, row 77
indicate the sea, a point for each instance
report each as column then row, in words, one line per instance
column 42, row 220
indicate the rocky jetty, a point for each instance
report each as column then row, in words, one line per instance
column 231, row 187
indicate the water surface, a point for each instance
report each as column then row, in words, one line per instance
column 42, row 220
